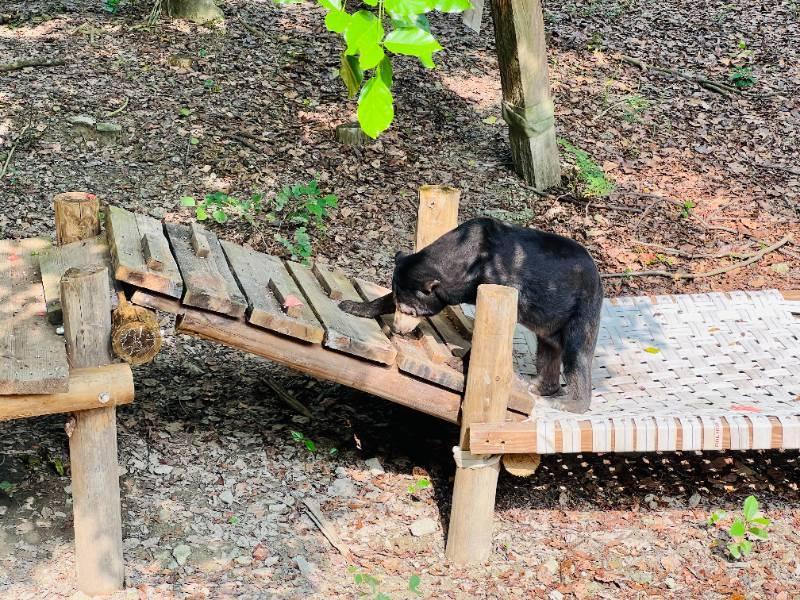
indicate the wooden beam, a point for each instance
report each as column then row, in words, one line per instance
column 77, row 217
column 383, row 381
column 437, row 213
column 93, row 443
column 96, row 387
column 489, row 382
column 527, row 106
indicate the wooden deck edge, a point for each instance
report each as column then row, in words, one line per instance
column 716, row 434
column 96, row 387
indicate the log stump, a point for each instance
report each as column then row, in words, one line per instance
column 135, row 334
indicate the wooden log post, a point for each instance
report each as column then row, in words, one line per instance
column 489, row 381
column 77, row 217
column 527, row 106
column 86, row 305
column 135, row 333
column 437, row 213
column 472, row 18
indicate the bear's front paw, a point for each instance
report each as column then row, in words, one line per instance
column 359, row 309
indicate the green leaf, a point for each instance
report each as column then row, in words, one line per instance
column 297, row 436
column 220, row 216
column 337, row 20
column 423, row 483
column 413, row 41
column 194, row 141
column 201, row 213
column 716, row 516
column 758, row 532
column 781, row 268
column 185, row 112
column 652, row 350
column 737, row 529
column 331, row 4
column 750, row 507
column 364, row 30
column 408, row 9
column 746, row 547
column 375, row 107
column 310, row 446
column 734, row 550
column 6, row 486
column 413, row 584
column 370, row 56
column 761, row 521
column 385, row 72
column 420, row 21
column 188, row 201
column 450, row 6
column 351, row 74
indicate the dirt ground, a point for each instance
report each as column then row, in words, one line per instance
column 212, row 480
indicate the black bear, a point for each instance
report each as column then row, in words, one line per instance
column 560, row 295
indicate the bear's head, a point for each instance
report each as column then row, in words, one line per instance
column 417, row 292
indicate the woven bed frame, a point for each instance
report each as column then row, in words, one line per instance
column 687, row 372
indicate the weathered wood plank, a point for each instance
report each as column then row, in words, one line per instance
column 267, row 284
column 56, row 260
column 343, row 332
column 414, row 356
column 450, row 330
column 208, row 280
column 150, row 248
column 200, row 243
column 32, row 356
column 96, row 387
column 125, row 233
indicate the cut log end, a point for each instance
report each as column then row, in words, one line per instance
column 135, row 334
column 521, row 465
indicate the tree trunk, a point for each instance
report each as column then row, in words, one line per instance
column 197, row 11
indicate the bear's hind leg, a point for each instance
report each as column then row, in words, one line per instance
column 580, row 338
column 548, row 366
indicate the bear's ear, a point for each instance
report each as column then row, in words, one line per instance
column 400, row 255
column 430, row 285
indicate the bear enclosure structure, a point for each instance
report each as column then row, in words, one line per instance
column 686, row 372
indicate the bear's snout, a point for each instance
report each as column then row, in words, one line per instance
column 404, row 323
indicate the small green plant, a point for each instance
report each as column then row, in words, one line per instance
column 751, row 525
column 594, row 178
column 742, row 77
column 635, row 105
column 221, row 207
column 112, row 6
column 419, row 485
column 58, row 465
column 233, row 520
column 301, row 439
column 7, row 487
column 413, row 584
column 362, row 578
column 686, row 209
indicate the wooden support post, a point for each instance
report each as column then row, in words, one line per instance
column 527, row 106
column 77, row 217
column 437, row 213
column 86, row 305
column 489, row 381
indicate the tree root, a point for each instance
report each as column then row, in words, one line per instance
column 756, row 257
column 713, row 86
column 31, row 62
column 13, row 148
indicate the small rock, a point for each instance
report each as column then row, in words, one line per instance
column 226, row 496
column 670, row 583
column 262, row 573
column 3, row 510
column 306, row 568
column 551, row 565
column 181, row 552
column 555, row 595
column 694, row 500
column 343, row 488
column 271, row 560
column 260, row 552
column 424, row 526
column 375, row 467
column 162, row 469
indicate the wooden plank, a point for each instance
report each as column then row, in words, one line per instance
column 383, row 381
column 200, row 243
column 125, row 233
column 343, row 332
column 413, row 354
column 32, row 355
column 208, row 280
column 150, row 248
column 96, row 387
column 449, row 328
column 56, row 260
column 156, row 302
column 267, row 284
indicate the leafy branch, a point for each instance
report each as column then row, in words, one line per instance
column 366, row 64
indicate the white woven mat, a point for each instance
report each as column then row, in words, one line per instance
column 713, row 366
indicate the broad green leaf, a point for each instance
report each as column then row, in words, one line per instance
column 734, row 550
column 758, row 532
column 331, row 4
column 413, row 41
column 449, row 6
column 737, row 529
column 194, row 141
column 188, row 201
column 370, row 56
column 399, row 9
column 364, row 30
column 385, row 71
column 337, row 20
column 220, row 216
column 351, row 74
column 746, row 547
column 371, row 2
column 413, row 583
column 201, row 213
column 761, row 521
column 185, row 112
column 375, row 107
column 750, row 507
column 420, row 21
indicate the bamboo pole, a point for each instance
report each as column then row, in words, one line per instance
column 489, row 380
column 86, row 305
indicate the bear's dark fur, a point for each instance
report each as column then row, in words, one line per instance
column 560, row 295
